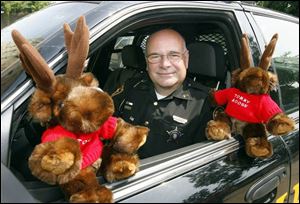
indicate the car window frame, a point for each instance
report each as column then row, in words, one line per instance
column 127, row 187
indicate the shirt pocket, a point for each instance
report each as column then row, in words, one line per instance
column 133, row 113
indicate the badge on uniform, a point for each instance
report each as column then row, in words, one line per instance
column 174, row 134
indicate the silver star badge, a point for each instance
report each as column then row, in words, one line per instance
column 174, row 134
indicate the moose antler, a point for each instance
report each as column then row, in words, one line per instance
column 77, row 45
column 34, row 64
column 267, row 55
column 245, row 57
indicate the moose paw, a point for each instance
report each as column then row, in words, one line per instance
column 121, row 166
column 258, row 147
column 56, row 162
column 98, row 194
column 129, row 138
column 280, row 124
column 217, row 130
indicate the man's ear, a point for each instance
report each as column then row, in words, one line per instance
column 186, row 59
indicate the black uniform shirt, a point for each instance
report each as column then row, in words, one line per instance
column 175, row 121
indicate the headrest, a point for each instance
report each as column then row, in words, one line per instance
column 133, row 57
column 206, row 59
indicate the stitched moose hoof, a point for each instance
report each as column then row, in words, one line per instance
column 217, row 130
column 93, row 195
column 258, row 147
column 56, row 162
column 121, row 166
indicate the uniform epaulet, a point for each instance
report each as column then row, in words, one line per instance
column 138, row 82
column 128, row 84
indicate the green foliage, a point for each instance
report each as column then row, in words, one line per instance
column 18, row 7
column 289, row 7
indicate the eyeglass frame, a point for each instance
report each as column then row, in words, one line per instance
column 168, row 57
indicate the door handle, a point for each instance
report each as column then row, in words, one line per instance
column 266, row 187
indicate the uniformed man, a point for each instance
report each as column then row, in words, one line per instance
column 174, row 107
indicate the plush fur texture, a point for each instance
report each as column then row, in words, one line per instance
column 129, row 138
column 74, row 101
column 120, row 166
column 56, row 162
column 85, row 188
column 123, row 161
column 253, row 81
column 85, row 109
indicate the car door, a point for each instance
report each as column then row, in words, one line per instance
column 286, row 65
column 213, row 173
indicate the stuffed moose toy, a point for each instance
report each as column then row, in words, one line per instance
column 79, row 116
column 249, row 110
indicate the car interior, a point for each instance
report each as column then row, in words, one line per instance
column 208, row 68
column 118, row 59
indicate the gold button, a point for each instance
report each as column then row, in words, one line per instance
column 155, row 103
column 146, row 123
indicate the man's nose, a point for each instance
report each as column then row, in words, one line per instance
column 165, row 62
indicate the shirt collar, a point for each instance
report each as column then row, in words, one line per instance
column 181, row 93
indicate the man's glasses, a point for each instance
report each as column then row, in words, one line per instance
column 172, row 57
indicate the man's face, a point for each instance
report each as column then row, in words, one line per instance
column 167, row 51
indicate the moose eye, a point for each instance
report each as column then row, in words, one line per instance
column 60, row 104
column 88, row 114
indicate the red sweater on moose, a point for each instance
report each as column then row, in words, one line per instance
column 247, row 107
column 90, row 144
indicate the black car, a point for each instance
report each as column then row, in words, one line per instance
column 203, row 172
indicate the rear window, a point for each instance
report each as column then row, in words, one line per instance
column 286, row 57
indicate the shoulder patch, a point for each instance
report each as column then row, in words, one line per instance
column 118, row 91
column 137, row 83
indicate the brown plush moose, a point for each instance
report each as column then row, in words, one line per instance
column 78, row 115
column 249, row 110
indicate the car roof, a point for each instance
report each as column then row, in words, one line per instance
column 265, row 11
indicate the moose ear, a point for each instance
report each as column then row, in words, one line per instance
column 268, row 53
column 245, row 56
column 235, row 77
column 273, row 81
column 77, row 45
column 34, row 64
column 88, row 79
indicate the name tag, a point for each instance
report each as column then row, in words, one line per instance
column 179, row 119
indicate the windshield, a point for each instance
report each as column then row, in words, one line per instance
column 35, row 27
